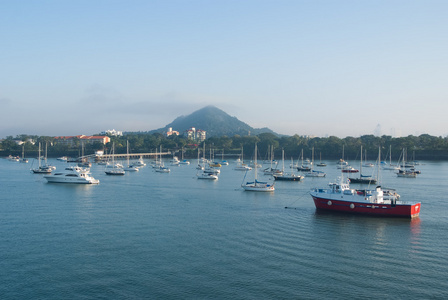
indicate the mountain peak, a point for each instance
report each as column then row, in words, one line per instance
column 214, row 121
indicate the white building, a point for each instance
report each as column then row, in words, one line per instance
column 112, row 132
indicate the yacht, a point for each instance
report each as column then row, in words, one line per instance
column 72, row 175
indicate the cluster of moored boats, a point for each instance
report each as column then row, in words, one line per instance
column 339, row 196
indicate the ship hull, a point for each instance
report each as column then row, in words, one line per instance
column 366, row 208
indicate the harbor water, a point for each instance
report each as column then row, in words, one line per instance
column 148, row 235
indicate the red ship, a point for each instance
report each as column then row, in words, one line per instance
column 339, row 197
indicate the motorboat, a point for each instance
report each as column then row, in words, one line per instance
column 13, row 158
column 140, row 163
column 349, row 169
column 72, row 175
column 206, row 175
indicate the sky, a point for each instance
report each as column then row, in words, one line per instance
column 306, row 67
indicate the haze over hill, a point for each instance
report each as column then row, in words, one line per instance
column 214, row 121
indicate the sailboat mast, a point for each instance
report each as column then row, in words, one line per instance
column 283, row 160
column 38, row 158
column 390, row 157
column 360, row 166
column 255, row 164
column 378, row 165
column 127, row 150
column 312, row 158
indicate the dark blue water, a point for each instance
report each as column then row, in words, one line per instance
column 171, row 236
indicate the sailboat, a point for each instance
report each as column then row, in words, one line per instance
column 271, row 170
column 240, row 165
column 161, row 167
column 23, row 159
column 206, row 172
column 41, row 169
column 321, row 164
column 199, row 167
column 342, row 163
column 366, row 164
column 114, row 169
column 284, row 176
column 184, row 161
column 362, row 178
column 312, row 172
column 403, row 171
column 223, row 161
column 175, row 161
column 390, row 166
column 257, row 186
column 304, row 167
column 129, row 167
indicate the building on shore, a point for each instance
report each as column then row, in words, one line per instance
column 71, row 140
column 171, row 132
column 196, row 134
column 112, row 132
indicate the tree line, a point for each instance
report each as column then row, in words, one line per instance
column 423, row 147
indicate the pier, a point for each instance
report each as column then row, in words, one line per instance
column 125, row 155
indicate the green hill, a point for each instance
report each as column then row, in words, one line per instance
column 215, row 122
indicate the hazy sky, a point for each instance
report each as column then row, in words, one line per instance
column 344, row 68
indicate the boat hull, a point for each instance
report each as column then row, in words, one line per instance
column 362, row 180
column 367, row 208
column 41, row 171
column 288, row 178
column 80, row 181
column 258, row 188
column 114, row 173
column 208, row 177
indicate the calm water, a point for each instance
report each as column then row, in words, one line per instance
column 171, row 236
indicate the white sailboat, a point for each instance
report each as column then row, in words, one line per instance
column 41, row 169
column 271, row 170
column 366, row 179
column 23, row 159
column 161, row 167
column 285, row 176
column 312, row 172
column 390, row 166
column 114, row 169
column 404, row 171
column 183, row 161
column 223, row 161
column 257, row 186
column 129, row 167
column 306, row 166
column 240, row 165
column 207, row 172
column 200, row 166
